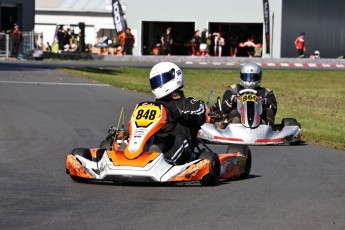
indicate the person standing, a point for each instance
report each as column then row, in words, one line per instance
column 300, row 46
column 129, row 42
column 219, row 42
column 167, row 41
column 196, row 44
column 60, row 37
column 16, row 40
column 233, row 45
column 250, row 46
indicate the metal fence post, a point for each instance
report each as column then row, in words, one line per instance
column 7, row 45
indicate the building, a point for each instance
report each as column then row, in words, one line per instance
column 321, row 20
column 17, row 11
column 96, row 14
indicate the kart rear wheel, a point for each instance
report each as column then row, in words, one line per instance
column 245, row 151
column 84, row 152
column 106, row 144
column 212, row 178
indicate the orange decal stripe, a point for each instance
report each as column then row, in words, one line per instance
column 193, row 172
column 120, row 159
column 269, row 140
column 225, row 156
column 75, row 168
column 158, row 126
column 228, row 139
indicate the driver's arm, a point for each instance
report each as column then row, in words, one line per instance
column 272, row 102
column 228, row 100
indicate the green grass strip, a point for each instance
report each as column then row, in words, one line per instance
column 315, row 98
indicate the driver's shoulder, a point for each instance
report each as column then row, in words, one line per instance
column 264, row 91
column 234, row 88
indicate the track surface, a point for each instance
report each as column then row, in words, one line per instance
column 45, row 113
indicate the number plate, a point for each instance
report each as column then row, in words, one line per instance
column 249, row 97
column 145, row 115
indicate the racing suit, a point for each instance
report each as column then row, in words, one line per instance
column 180, row 139
column 229, row 104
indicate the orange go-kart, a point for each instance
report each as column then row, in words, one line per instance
column 128, row 156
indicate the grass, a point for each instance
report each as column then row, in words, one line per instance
column 315, row 98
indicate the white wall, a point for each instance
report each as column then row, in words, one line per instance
column 202, row 12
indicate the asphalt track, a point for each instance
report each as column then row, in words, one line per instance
column 45, row 113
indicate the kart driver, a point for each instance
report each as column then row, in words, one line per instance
column 250, row 78
column 166, row 80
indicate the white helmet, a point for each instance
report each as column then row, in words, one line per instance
column 251, row 75
column 165, row 78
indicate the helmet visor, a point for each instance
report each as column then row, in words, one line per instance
column 160, row 79
column 250, row 77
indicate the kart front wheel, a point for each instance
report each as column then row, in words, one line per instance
column 106, row 144
column 84, row 152
column 212, row 178
column 80, row 179
column 245, row 151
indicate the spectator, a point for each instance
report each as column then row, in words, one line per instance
column 219, row 42
column 208, row 44
column 233, row 45
column 129, row 42
column 73, row 47
column 300, row 46
column 167, row 41
column 250, row 46
column 203, row 44
column 67, row 38
column 196, row 43
column 60, row 35
column 16, row 40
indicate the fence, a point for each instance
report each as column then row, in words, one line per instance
column 4, row 45
column 26, row 45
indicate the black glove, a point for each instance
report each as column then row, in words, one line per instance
column 111, row 132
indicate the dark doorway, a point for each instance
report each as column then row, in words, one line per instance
column 243, row 31
column 9, row 16
column 181, row 32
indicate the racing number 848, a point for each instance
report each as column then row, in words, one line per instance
column 145, row 115
column 148, row 114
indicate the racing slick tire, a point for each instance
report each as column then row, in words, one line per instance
column 291, row 122
column 106, row 144
column 245, row 151
column 84, row 152
column 212, row 178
